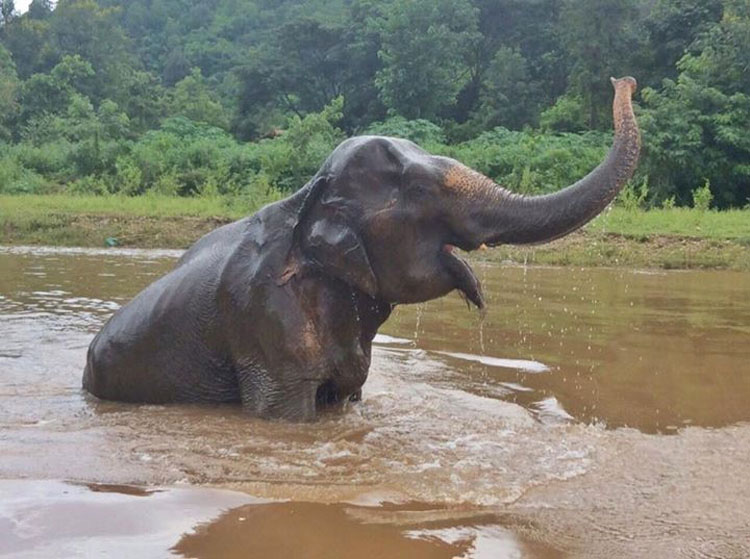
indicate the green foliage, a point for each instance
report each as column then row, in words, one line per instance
column 53, row 93
column 40, row 9
column 669, row 203
column 82, row 28
column 425, row 44
column 9, row 85
column 633, row 196
column 420, row 131
column 566, row 115
column 290, row 161
column 7, row 11
column 193, row 99
column 673, row 26
column 702, row 197
column 598, row 37
column 509, row 97
column 695, row 128
column 160, row 96
column 15, row 179
column 531, row 162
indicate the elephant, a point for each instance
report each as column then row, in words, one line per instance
column 278, row 311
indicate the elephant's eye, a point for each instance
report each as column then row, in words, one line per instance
column 417, row 190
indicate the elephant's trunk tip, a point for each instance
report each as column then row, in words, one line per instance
column 627, row 80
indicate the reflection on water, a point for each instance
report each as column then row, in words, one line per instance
column 55, row 519
column 518, row 416
column 44, row 519
column 322, row 531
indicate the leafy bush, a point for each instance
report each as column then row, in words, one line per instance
column 702, row 197
column 420, row 131
column 51, row 159
column 633, row 197
column 291, row 159
column 15, row 179
column 531, row 162
column 668, row 203
column 566, row 115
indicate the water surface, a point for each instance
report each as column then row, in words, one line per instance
column 589, row 412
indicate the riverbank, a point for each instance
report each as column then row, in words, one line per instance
column 671, row 239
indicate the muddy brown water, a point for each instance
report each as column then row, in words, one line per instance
column 589, row 413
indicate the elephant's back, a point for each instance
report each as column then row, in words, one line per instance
column 219, row 241
column 166, row 345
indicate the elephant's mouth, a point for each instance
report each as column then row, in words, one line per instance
column 465, row 280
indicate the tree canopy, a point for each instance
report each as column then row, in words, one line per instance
column 89, row 87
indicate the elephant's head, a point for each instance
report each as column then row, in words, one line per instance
column 384, row 215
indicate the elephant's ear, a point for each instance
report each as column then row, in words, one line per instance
column 325, row 235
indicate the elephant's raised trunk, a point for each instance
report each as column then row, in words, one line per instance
column 496, row 216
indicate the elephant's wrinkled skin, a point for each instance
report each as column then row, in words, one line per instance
column 278, row 310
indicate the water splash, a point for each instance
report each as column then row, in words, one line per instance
column 417, row 325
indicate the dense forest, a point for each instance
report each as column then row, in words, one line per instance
column 247, row 97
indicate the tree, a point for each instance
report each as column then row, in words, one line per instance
column 9, row 85
column 672, row 27
column 256, row 100
column 509, row 97
column 192, row 99
column 425, row 49
column 528, row 28
column 81, row 27
column 599, row 37
column 143, row 98
column 7, row 11
column 695, row 128
column 306, row 65
column 176, row 68
column 40, row 9
column 310, row 64
column 52, row 93
column 26, row 39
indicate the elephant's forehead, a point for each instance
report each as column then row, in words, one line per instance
column 377, row 152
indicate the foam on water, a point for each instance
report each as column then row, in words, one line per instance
column 524, row 365
column 140, row 253
column 384, row 339
column 481, row 542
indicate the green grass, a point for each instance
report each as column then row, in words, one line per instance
column 144, row 221
column 674, row 238
column 143, row 206
column 681, row 222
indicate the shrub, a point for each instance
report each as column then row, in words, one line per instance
column 566, row 115
column 15, row 179
column 531, row 162
column 633, row 197
column 420, row 131
column 702, row 197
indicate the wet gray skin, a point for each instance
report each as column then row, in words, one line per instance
column 278, row 310
column 591, row 413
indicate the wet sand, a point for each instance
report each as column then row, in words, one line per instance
column 591, row 413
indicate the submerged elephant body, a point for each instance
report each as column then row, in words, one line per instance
column 278, row 310
column 221, row 328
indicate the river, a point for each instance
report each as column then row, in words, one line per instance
column 588, row 412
